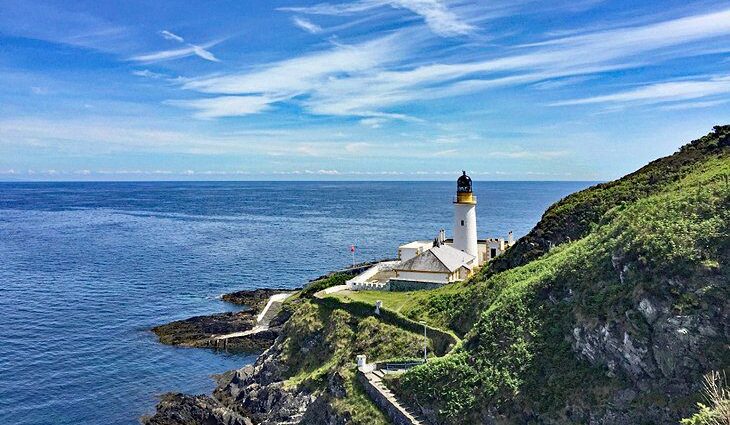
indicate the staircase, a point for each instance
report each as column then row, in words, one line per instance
column 398, row 412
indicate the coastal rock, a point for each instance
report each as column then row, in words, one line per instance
column 196, row 331
column 201, row 331
column 181, row 409
column 258, row 392
column 255, row 299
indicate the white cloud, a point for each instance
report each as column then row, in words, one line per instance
column 148, row 74
column 63, row 25
column 189, row 50
column 661, row 92
column 300, row 74
column 328, row 172
column 226, row 106
column 437, row 16
column 182, row 52
column 373, row 122
column 694, row 105
column 167, row 35
column 368, row 79
column 303, row 75
column 306, row 25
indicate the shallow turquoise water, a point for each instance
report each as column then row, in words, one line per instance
column 87, row 268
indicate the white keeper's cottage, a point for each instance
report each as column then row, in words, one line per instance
column 425, row 264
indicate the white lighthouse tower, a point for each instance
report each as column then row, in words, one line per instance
column 465, row 217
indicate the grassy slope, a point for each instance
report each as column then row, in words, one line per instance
column 573, row 217
column 669, row 220
column 516, row 314
column 413, row 304
column 321, row 344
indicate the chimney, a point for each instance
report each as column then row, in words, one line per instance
column 510, row 238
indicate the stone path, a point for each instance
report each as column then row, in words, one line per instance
column 331, row 290
column 398, row 411
column 273, row 307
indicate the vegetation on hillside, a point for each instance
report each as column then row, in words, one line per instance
column 320, row 346
column 717, row 411
column 573, row 217
column 662, row 231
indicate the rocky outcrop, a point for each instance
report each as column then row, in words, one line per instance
column 254, row 394
column 254, row 299
column 659, row 352
column 181, row 409
column 257, row 391
column 196, row 331
column 202, row 331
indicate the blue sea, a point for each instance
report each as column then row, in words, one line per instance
column 86, row 269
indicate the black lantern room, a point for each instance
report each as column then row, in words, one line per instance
column 463, row 184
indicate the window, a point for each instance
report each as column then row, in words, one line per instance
column 462, row 222
column 493, row 252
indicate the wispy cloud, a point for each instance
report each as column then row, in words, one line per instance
column 294, row 77
column 661, row 92
column 307, row 25
column 226, row 106
column 189, row 50
column 170, row 36
column 694, row 105
column 62, row 25
column 146, row 73
column 370, row 78
column 435, row 13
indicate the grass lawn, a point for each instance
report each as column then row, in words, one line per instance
column 394, row 301
column 409, row 304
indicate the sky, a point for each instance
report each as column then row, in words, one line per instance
column 359, row 90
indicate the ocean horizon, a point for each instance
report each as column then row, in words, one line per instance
column 89, row 267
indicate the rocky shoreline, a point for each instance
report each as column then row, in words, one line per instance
column 201, row 331
column 258, row 393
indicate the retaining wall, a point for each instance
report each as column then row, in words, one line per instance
column 382, row 402
column 403, row 285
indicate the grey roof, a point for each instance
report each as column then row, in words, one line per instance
column 443, row 258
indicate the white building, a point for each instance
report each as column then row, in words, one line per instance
column 441, row 261
column 439, row 264
column 413, row 249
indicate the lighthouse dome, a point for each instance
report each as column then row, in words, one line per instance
column 463, row 184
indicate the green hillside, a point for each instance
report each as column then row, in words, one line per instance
column 609, row 311
column 573, row 217
column 619, row 319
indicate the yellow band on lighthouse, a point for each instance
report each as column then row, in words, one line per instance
column 466, row 198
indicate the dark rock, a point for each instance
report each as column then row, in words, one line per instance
column 255, row 299
column 196, row 331
column 181, row 409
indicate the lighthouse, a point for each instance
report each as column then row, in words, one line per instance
column 465, row 217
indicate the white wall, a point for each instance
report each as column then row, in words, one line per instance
column 423, row 276
column 465, row 236
column 406, row 254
